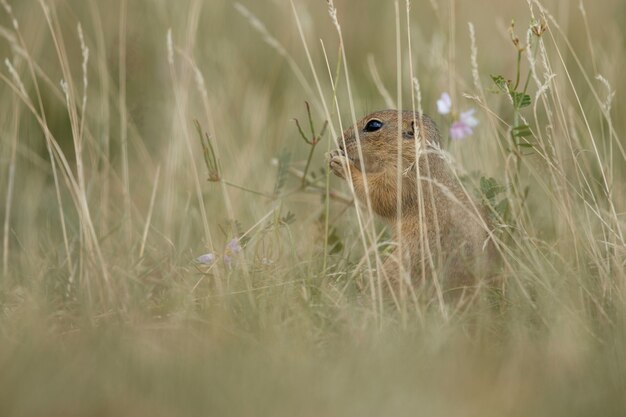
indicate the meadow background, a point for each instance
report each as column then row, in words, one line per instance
column 106, row 205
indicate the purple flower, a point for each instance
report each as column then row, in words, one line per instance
column 464, row 127
column 467, row 118
column 460, row 130
column 206, row 259
column 234, row 246
column 444, row 104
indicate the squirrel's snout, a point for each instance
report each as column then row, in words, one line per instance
column 344, row 143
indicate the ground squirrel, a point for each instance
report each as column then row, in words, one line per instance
column 442, row 229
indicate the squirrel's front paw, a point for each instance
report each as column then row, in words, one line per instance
column 338, row 163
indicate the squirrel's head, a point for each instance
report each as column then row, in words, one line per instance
column 381, row 133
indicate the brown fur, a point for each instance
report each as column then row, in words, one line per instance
column 444, row 233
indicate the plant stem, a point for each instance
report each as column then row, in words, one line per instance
column 230, row 184
column 519, row 64
column 308, row 163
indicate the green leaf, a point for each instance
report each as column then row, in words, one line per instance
column 520, row 100
column 208, row 153
column 490, row 188
column 500, row 82
column 502, row 208
column 521, row 131
column 335, row 245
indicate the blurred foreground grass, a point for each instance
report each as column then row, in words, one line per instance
column 105, row 206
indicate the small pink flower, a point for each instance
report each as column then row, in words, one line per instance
column 206, row 259
column 234, row 246
column 467, row 117
column 444, row 104
column 460, row 130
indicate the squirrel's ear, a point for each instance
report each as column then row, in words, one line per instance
column 410, row 133
column 430, row 134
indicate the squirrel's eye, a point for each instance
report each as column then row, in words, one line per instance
column 373, row 125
